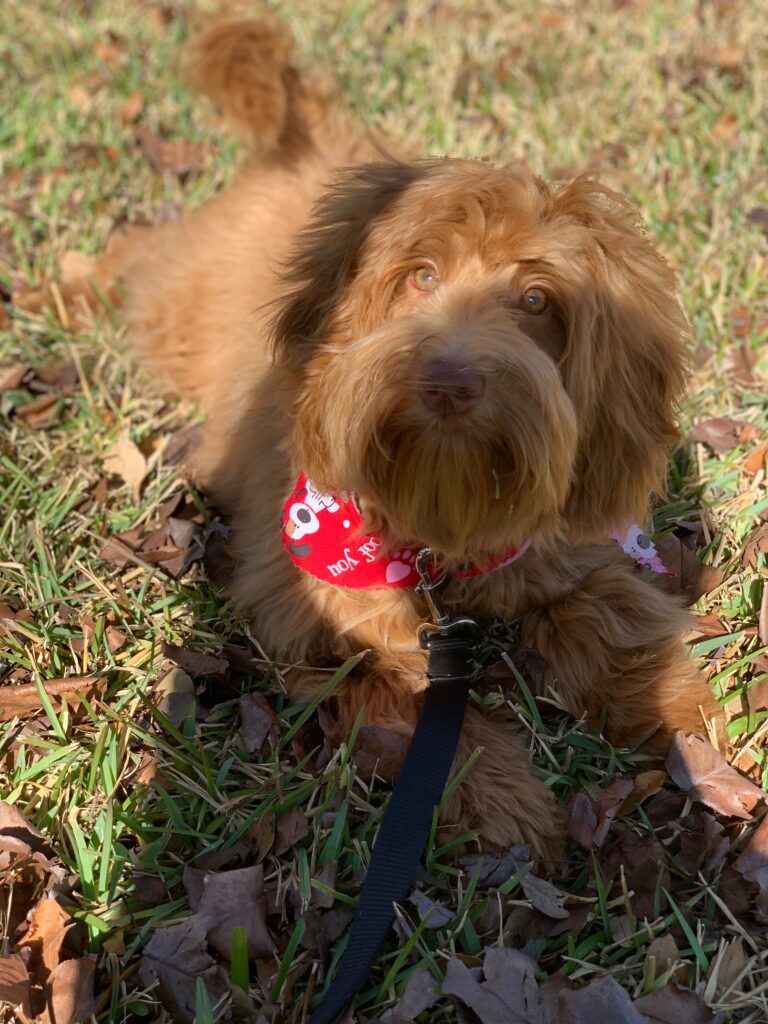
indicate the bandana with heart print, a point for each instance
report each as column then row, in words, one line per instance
column 322, row 534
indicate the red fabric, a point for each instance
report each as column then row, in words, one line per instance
column 322, row 534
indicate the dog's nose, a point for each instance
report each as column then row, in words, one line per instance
column 450, row 388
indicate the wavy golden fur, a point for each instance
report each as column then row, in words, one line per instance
column 287, row 306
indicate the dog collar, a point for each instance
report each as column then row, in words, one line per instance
column 323, row 535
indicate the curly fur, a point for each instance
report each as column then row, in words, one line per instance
column 284, row 306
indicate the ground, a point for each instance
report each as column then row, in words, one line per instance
column 123, row 789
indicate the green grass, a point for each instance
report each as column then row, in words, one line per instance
column 646, row 95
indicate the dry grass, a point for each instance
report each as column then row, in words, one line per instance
column 666, row 102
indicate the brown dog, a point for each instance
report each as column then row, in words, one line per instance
column 484, row 362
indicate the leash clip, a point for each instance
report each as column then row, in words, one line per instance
column 429, row 587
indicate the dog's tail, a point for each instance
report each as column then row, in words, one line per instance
column 243, row 65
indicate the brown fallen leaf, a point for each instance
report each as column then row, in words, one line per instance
column 379, row 752
column 75, row 265
column 12, row 376
column 110, row 51
column 757, row 460
column 544, row 896
column 675, row 1005
column 48, row 927
column 173, row 157
column 39, row 411
column 235, row 899
column 421, row 991
column 257, row 721
column 703, row 773
column 488, row 1004
column 722, row 434
column 726, row 967
column 492, row 870
column 131, row 108
column 662, row 955
column 752, row 864
column 589, row 819
column 69, row 992
column 600, row 1000
column 435, row 914
column 175, row 695
column 691, row 577
column 22, row 700
column 174, row 959
column 126, row 461
column 14, row 983
column 197, row 663
column 646, row 784
column 759, row 216
column 291, row 828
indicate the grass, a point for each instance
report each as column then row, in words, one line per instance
column 667, row 103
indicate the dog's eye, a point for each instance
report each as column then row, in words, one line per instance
column 535, row 301
column 425, row 279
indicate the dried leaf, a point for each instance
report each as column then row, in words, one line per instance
column 175, row 695
column 22, row 700
column 692, row 579
column 379, row 751
column 48, row 926
column 704, row 774
column 436, row 915
column 291, row 828
column 759, row 216
column 589, row 820
column 173, row 157
column 14, row 983
column 11, row 376
column 257, row 719
column 675, row 1005
column 175, row 958
column 662, row 955
column 757, row 460
column 69, row 992
column 489, row 1007
column 131, row 108
column 726, row 967
column 601, row 1000
column 646, row 784
column 722, row 434
column 197, row 663
column 492, row 870
column 752, row 864
column 127, row 461
column 235, row 899
column 544, row 897
column 421, row 991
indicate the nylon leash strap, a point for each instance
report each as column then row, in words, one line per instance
column 408, row 819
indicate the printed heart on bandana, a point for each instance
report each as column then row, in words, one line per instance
column 397, row 571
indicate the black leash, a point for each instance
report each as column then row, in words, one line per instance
column 408, row 818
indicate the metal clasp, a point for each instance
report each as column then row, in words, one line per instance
column 429, row 587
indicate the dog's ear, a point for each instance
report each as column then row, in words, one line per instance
column 625, row 362
column 328, row 250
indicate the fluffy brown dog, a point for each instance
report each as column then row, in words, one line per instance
column 481, row 359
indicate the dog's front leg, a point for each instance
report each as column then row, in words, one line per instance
column 615, row 653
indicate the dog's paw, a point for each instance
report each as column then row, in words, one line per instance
column 500, row 798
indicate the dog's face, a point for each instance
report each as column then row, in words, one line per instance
column 481, row 360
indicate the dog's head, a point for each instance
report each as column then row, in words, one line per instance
column 482, row 359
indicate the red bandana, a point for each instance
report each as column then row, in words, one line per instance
column 322, row 534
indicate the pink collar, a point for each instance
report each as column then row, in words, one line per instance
column 322, row 534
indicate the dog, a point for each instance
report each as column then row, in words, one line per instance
column 396, row 353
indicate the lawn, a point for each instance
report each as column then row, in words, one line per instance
column 194, row 825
